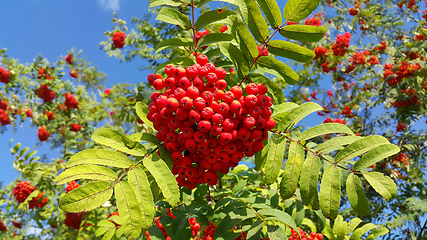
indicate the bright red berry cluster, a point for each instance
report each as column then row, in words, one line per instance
column 73, row 220
column 44, row 73
column 75, row 127
column 73, row 73
column 71, row 101
column 4, row 75
column 4, row 118
column 402, row 158
column 45, row 93
column 262, row 51
column 313, row 22
column 107, row 91
column 305, row 235
column 43, row 134
column 119, row 39
column 320, row 51
column 23, row 190
column 338, row 120
column 404, row 70
column 162, row 229
column 358, row 58
column 69, row 59
column 409, row 98
column 71, row 186
column 353, row 11
column 342, row 42
column 209, row 232
column 206, row 128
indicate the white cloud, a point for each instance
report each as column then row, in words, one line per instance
column 113, row 5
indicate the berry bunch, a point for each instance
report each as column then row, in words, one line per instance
column 73, row 73
column 262, row 51
column 305, row 235
column 71, row 186
column 206, row 128
column 75, row 127
column 73, row 220
column 71, row 101
column 69, row 59
column 44, row 74
column 342, row 42
column 4, row 75
column 4, row 118
column 45, row 93
column 195, row 227
column 119, row 39
column 107, row 91
column 43, row 134
column 209, row 232
column 401, row 157
column 22, row 191
column 162, row 229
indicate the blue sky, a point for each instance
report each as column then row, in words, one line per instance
column 51, row 28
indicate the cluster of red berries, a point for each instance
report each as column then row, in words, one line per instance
column 402, row 158
column 209, row 232
column 43, row 134
column 73, row 220
column 404, row 70
column 162, row 229
column 354, row 11
column 107, row 91
column 71, row 186
column 262, row 51
column 49, row 115
column 75, row 127
column 45, row 93
column 313, row 22
column 2, row 227
column 342, row 42
column 347, row 112
column 4, row 75
column 73, row 73
column 23, row 190
column 358, row 58
column 195, row 227
column 206, row 128
column 44, row 73
column 71, row 101
column 69, row 59
column 327, row 67
column 338, row 120
column 17, row 224
column 409, row 98
column 400, row 127
column 119, row 39
column 4, row 118
column 320, row 51
column 305, row 235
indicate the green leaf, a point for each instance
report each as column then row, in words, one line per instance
column 16, row 148
column 361, row 231
column 382, row 184
column 254, row 20
column 330, row 190
column 236, row 56
column 261, row 157
column 86, row 197
column 297, row 10
column 243, row 37
column 353, row 224
column 276, row 232
column 166, row 156
column 173, row 43
column 271, row 11
column 23, row 151
column 141, row 186
column 116, row 140
column 149, row 138
column 101, row 157
column 309, row 180
column 291, row 51
column 290, row 177
column 356, row 195
column 109, row 235
column 214, row 38
column 129, row 209
column 274, row 91
column 93, row 172
column 340, row 227
column 297, row 114
column 142, row 111
column 30, row 154
column 299, row 213
column 325, row 128
column 336, row 143
column 277, row 68
column 377, row 233
column 304, row 33
column 172, row 3
column 359, row 147
column 182, row 61
column 275, row 214
column 164, row 178
column 282, row 109
column 174, row 17
column 375, row 155
column 274, row 158
column 212, row 17
column 255, row 230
